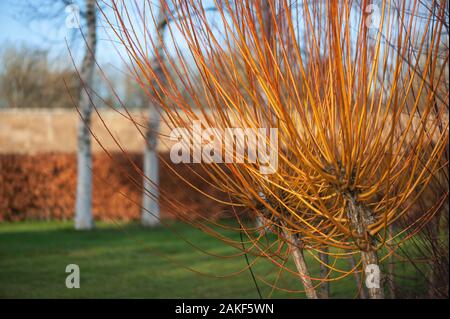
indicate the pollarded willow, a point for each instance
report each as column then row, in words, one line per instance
column 362, row 128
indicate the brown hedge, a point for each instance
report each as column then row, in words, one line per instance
column 42, row 186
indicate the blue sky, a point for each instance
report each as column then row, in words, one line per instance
column 11, row 30
column 16, row 29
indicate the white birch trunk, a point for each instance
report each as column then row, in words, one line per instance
column 150, row 213
column 150, row 200
column 83, row 206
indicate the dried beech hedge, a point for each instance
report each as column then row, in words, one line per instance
column 42, row 186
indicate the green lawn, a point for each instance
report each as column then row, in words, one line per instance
column 128, row 261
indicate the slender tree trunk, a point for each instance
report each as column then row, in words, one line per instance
column 439, row 247
column 444, row 240
column 360, row 218
column 300, row 263
column 325, row 287
column 361, row 288
column 83, row 206
column 370, row 258
column 150, row 199
column 260, row 224
column 150, row 213
column 391, row 269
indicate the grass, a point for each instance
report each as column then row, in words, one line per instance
column 128, row 261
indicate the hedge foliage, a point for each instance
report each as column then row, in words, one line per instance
column 42, row 186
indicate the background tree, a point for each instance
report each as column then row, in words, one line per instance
column 144, row 93
column 150, row 197
column 75, row 15
column 29, row 80
column 83, row 207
